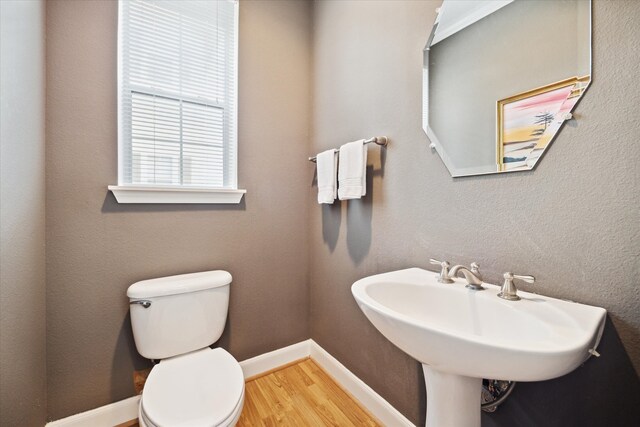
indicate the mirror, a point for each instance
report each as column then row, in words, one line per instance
column 500, row 78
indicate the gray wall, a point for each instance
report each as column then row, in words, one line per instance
column 576, row 224
column 97, row 248
column 22, row 216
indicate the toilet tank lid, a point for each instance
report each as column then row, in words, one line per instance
column 179, row 284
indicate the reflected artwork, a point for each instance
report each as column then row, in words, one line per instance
column 527, row 122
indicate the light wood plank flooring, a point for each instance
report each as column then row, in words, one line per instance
column 299, row 395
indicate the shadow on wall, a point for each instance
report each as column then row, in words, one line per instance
column 604, row 391
column 331, row 218
column 225, row 339
column 359, row 216
column 125, row 353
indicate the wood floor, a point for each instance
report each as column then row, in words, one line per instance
column 299, row 395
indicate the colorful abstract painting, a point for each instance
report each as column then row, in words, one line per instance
column 527, row 122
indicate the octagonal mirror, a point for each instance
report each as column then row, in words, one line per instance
column 501, row 78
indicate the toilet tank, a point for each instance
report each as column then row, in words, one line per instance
column 178, row 314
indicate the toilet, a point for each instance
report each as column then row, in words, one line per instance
column 175, row 320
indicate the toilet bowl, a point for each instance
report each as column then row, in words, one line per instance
column 175, row 319
column 204, row 388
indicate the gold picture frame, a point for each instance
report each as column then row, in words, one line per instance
column 578, row 84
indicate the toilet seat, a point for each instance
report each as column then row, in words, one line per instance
column 204, row 388
column 143, row 421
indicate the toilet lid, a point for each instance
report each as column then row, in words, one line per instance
column 196, row 389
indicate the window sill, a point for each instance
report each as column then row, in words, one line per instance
column 143, row 194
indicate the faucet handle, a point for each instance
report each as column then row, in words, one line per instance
column 528, row 279
column 475, row 267
column 509, row 290
column 443, row 277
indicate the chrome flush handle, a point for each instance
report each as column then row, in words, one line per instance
column 509, row 290
column 443, row 277
column 143, row 302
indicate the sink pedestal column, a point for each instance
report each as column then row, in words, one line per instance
column 452, row 400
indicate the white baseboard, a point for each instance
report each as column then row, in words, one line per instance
column 126, row 410
column 372, row 401
column 105, row 416
column 274, row 359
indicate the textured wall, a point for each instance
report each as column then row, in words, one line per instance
column 573, row 222
column 22, row 217
column 97, row 248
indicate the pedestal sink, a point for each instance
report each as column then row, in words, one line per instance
column 461, row 336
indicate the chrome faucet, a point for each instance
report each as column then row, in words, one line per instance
column 473, row 277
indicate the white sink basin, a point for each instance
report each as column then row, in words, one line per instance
column 461, row 335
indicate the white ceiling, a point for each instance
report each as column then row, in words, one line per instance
column 455, row 15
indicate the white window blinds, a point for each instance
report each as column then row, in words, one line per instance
column 177, row 99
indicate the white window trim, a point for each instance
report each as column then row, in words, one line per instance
column 154, row 194
column 181, row 195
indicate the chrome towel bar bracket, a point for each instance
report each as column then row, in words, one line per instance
column 378, row 140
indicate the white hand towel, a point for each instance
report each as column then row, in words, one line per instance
column 327, row 166
column 352, row 170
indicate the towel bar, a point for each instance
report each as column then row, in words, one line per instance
column 379, row 140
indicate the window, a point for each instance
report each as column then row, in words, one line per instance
column 177, row 82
